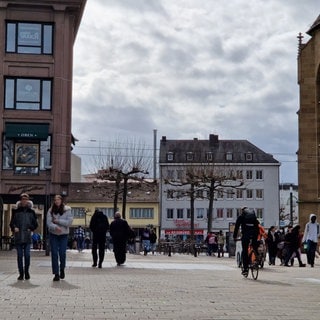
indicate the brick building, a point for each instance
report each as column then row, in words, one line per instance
column 36, row 55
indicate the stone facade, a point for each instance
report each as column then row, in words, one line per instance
column 309, row 124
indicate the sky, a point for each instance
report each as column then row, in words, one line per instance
column 187, row 69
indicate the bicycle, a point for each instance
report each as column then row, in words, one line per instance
column 253, row 263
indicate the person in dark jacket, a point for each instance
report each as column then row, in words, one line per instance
column 120, row 233
column 23, row 222
column 272, row 243
column 250, row 230
column 99, row 225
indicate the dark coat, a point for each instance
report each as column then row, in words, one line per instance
column 99, row 224
column 25, row 219
column 120, row 231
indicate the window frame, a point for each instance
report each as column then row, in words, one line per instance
column 46, row 39
column 40, row 103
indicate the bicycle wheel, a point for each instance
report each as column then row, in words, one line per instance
column 254, row 266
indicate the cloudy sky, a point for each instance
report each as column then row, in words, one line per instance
column 188, row 68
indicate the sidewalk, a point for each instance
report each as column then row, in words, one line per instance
column 157, row 287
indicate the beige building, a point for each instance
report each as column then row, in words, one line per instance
column 309, row 124
column 36, row 55
column 142, row 204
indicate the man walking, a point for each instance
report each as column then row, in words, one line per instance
column 23, row 222
column 310, row 236
column 99, row 226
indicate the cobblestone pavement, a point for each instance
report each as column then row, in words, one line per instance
column 157, row 287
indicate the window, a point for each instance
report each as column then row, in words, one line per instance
column 29, row 38
column 188, row 213
column 259, row 193
column 170, row 156
column 180, row 174
column 179, row 213
column 78, row 212
column 209, row 156
column 170, row 174
column 28, row 94
column 169, row 213
column 180, row 194
column 200, row 213
column 229, row 194
column 26, row 158
column 141, row 213
column 239, row 174
column 220, row 213
column 109, row 212
column 189, row 156
column 249, row 175
column 239, row 212
column 219, row 193
column 239, row 194
column 229, row 156
column 199, row 194
column 249, row 193
column 229, row 213
column 249, row 156
column 259, row 213
column 170, row 194
column 259, row 175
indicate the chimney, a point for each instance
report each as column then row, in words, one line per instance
column 213, row 139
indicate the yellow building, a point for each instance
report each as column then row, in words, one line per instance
column 142, row 204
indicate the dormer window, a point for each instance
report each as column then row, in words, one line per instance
column 190, row 156
column 249, row 156
column 229, row 156
column 170, row 156
column 209, row 156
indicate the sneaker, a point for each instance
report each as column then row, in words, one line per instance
column 62, row 275
column 245, row 272
column 56, row 277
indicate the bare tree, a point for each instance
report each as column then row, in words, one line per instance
column 204, row 182
column 123, row 162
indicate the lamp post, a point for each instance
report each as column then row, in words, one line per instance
column 291, row 207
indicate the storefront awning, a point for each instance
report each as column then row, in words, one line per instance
column 27, row 131
column 183, row 232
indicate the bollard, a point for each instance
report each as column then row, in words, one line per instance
column 169, row 254
column 195, row 250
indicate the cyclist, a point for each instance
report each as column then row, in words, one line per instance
column 250, row 230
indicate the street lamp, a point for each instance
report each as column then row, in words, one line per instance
column 291, row 207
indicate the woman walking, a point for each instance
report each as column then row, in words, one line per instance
column 59, row 219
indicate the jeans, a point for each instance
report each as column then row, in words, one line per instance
column 58, row 245
column 23, row 251
column 80, row 242
column 311, row 251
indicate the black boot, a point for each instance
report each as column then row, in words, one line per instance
column 27, row 275
column 56, row 277
column 20, row 276
column 62, row 275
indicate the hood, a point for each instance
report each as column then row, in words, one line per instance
column 312, row 215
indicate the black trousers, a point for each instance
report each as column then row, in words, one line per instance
column 98, row 243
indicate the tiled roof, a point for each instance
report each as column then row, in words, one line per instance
column 219, row 148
